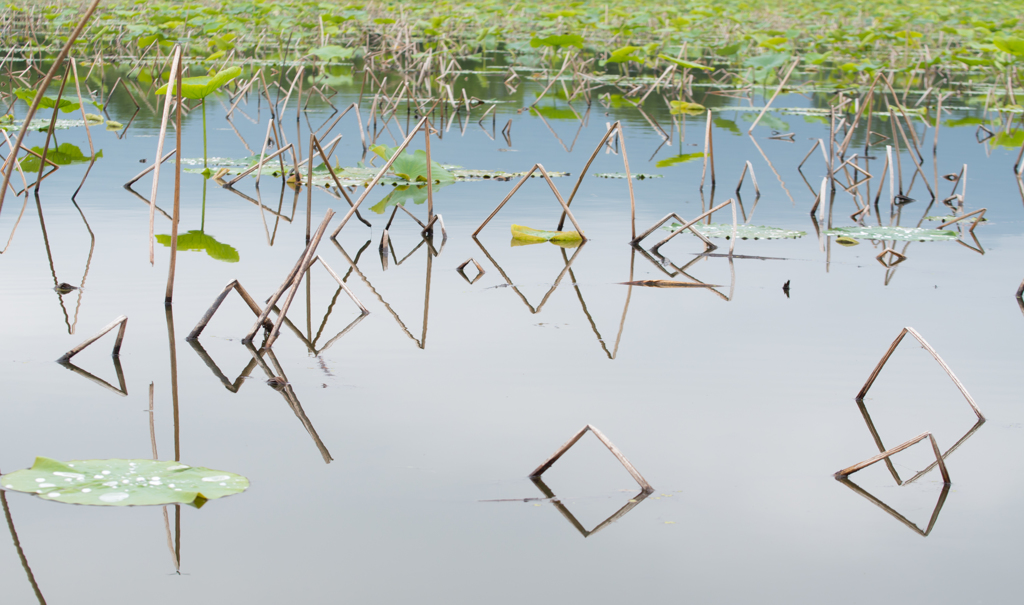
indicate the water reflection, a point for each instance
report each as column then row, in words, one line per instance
column 288, row 393
column 902, row 519
column 17, row 546
column 421, row 342
column 630, row 505
column 62, row 291
column 664, row 264
column 121, row 389
column 568, row 261
column 888, row 463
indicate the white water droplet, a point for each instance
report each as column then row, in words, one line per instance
column 70, row 476
column 47, row 485
column 40, row 480
column 97, row 476
column 9, row 486
column 111, row 484
column 86, row 490
column 114, row 497
column 53, row 495
column 154, row 478
column 216, row 478
column 171, row 485
column 178, row 467
column 106, row 472
column 223, row 484
column 124, row 481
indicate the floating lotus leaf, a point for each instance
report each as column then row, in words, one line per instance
column 724, row 231
column 621, row 175
column 554, row 113
column 334, row 53
column 199, row 87
column 678, row 159
column 412, row 167
column 903, row 234
column 526, row 234
column 63, row 155
column 687, row 108
column 123, row 482
column 197, row 240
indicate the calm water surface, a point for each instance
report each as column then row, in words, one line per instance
column 736, row 403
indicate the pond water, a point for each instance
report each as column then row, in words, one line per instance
column 394, row 467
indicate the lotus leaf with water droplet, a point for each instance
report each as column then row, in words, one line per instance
column 119, row 482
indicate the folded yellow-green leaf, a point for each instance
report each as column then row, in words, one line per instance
column 527, row 234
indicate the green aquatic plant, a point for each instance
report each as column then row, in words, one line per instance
column 526, row 234
column 412, row 167
column 903, row 234
column 63, row 155
column 199, row 240
column 200, row 87
column 724, row 231
column 123, row 482
column 679, row 159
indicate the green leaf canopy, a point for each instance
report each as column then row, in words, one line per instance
column 123, row 482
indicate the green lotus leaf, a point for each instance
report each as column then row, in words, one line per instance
column 685, row 107
column 554, row 113
column 197, row 240
column 334, row 53
column 526, row 234
column 724, row 231
column 682, row 63
column 640, row 176
column 199, row 87
column 28, row 95
column 903, row 234
column 64, row 155
column 413, row 166
column 624, row 54
column 123, row 482
column 950, row 217
column 1011, row 45
column 558, row 41
column 678, row 159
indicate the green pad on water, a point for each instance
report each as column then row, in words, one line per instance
column 902, row 234
column 724, row 231
column 123, row 482
column 527, row 234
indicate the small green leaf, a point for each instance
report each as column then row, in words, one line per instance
column 685, row 107
column 682, row 63
column 678, row 159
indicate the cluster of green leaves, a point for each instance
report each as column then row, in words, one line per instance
column 858, row 38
